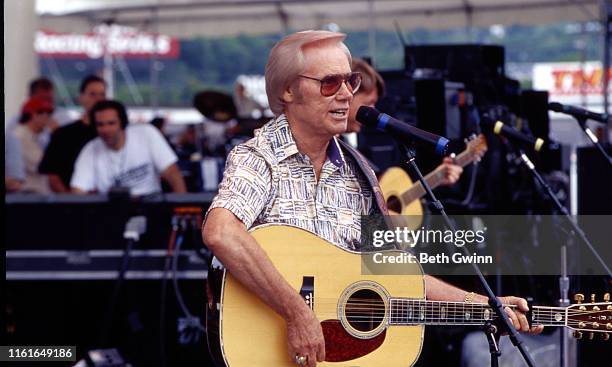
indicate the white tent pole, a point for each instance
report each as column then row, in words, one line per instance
column 108, row 63
column 154, row 72
column 20, row 61
column 606, row 9
column 108, row 75
column 582, row 47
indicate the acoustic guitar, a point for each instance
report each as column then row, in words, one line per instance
column 367, row 320
column 402, row 194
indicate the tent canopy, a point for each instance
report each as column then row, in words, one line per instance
column 184, row 18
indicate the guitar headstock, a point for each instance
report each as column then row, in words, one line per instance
column 594, row 317
column 476, row 147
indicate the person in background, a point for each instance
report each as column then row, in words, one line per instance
column 122, row 156
column 14, row 170
column 40, row 88
column 160, row 124
column 35, row 117
column 67, row 141
column 372, row 88
column 219, row 124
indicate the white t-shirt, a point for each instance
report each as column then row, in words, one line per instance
column 137, row 165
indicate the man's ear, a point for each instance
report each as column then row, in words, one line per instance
column 288, row 95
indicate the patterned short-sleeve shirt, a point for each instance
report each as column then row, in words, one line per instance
column 267, row 180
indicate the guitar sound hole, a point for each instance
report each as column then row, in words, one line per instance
column 393, row 204
column 365, row 310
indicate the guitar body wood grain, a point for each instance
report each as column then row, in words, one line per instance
column 393, row 183
column 246, row 332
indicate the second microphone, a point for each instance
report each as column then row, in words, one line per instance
column 405, row 132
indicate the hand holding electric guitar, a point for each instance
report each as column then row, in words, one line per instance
column 402, row 194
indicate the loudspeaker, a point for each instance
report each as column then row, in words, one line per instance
column 534, row 108
column 594, row 181
column 398, row 101
column 458, row 61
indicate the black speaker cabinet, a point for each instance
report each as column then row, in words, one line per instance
column 594, row 182
column 534, row 108
column 457, row 60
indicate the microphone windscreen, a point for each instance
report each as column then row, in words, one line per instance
column 367, row 115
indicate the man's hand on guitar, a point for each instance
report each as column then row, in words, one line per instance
column 518, row 317
column 452, row 172
column 305, row 337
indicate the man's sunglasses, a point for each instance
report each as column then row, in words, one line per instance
column 330, row 84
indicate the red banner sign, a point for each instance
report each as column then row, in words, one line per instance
column 572, row 81
column 118, row 40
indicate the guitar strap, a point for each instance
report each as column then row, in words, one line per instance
column 376, row 222
column 367, row 171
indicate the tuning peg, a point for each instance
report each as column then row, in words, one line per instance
column 609, row 326
column 581, row 325
column 591, row 335
column 605, row 336
column 606, row 297
column 592, row 297
column 596, row 308
column 595, row 325
column 579, row 297
column 578, row 334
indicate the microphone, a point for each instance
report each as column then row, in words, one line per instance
column 499, row 128
column 372, row 117
column 579, row 113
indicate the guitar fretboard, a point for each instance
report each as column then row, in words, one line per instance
column 405, row 311
column 434, row 178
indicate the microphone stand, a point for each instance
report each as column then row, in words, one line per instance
column 582, row 123
column 563, row 278
column 576, row 230
column 494, row 302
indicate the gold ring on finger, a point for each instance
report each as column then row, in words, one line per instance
column 301, row 360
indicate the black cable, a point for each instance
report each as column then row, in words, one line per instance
column 177, row 291
column 110, row 315
column 164, row 288
column 472, row 186
column 162, row 313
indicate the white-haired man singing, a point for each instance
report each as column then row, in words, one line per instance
column 296, row 172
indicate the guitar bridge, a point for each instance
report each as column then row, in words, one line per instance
column 307, row 291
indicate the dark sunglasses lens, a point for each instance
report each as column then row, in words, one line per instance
column 330, row 84
column 354, row 82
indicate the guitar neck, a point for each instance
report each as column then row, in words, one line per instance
column 410, row 312
column 434, row 179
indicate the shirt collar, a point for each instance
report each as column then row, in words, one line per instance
column 334, row 153
column 281, row 139
column 284, row 145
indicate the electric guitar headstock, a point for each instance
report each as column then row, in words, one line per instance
column 476, row 147
column 594, row 317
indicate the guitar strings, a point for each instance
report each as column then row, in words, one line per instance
column 423, row 319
